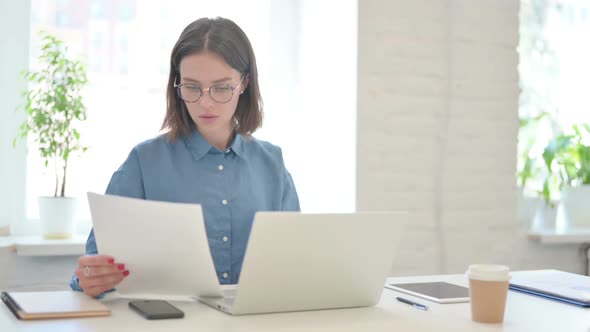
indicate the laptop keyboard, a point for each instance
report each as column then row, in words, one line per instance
column 229, row 301
column 229, row 292
column 229, row 296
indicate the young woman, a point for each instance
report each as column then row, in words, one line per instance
column 207, row 154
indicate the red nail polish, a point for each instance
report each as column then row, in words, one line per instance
column 111, row 261
column 121, row 267
column 126, row 273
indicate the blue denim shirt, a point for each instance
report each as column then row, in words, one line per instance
column 230, row 185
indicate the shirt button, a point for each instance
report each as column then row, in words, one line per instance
column 224, row 275
column 228, row 151
column 220, row 167
column 225, row 239
column 224, row 202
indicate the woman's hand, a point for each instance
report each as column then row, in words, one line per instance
column 99, row 273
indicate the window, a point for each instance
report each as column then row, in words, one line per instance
column 554, row 73
column 127, row 44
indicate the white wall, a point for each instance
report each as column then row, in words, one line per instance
column 437, row 130
column 14, row 57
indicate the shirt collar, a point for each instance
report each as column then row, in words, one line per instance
column 199, row 147
column 238, row 145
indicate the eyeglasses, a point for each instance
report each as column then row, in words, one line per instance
column 221, row 93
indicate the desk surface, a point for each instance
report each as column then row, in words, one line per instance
column 523, row 313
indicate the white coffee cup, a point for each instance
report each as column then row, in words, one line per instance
column 488, row 289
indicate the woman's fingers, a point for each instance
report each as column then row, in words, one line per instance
column 90, row 271
column 97, row 290
column 99, row 273
column 95, row 260
column 109, row 280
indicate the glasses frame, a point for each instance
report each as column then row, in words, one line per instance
column 232, row 88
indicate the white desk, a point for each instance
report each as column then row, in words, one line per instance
column 523, row 313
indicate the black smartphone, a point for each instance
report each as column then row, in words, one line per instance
column 156, row 309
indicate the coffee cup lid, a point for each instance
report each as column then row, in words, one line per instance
column 488, row 272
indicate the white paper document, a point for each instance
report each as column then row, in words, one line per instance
column 163, row 245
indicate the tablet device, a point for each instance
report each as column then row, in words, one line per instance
column 441, row 292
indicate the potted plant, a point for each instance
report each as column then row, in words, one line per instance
column 54, row 106
column 532, row 209
column 567, row 158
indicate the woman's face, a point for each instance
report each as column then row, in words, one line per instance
column 213, row 76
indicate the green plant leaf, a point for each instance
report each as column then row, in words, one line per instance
column 555, row 147
column 546, row 191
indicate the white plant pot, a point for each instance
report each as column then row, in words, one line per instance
column 575, row 202
column 58, row 215
column 545, row 217
column 527, row 209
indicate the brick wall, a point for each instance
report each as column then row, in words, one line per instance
column 437, row 130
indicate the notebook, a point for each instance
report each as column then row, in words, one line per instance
column 45, row 305
column 553, row 284
column 297, row 261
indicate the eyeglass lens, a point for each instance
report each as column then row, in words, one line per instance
column 191, row 93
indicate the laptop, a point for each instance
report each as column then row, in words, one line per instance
column 297, row 262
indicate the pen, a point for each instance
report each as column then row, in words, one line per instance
column 412, row 303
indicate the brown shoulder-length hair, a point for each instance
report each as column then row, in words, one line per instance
column 224, row 38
